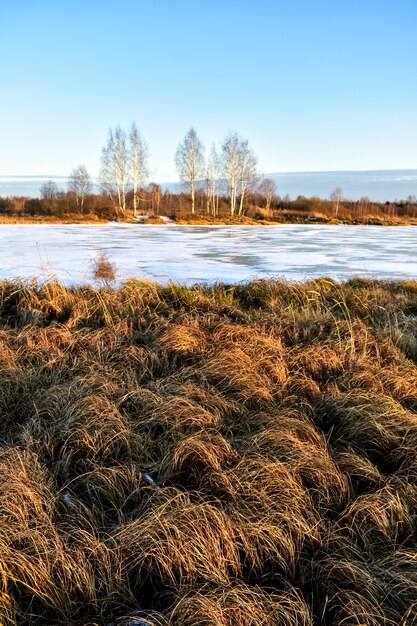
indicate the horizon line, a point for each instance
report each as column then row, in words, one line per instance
column 337, row 171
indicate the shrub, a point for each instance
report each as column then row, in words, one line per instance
column 103, row 269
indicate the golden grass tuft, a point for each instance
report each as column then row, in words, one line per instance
column 182, row 541
column 247, row 606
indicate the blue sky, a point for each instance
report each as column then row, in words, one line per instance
column 314, row 85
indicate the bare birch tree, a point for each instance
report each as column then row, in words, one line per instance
column 79, row 182
column 248, row 174
column 139, row 163
column 156, row 196
column 336, row 198
column 49, row 192
column 231, row 166
column 268, row 190
column 115, row 175
column 213, row 173
column 189, row 160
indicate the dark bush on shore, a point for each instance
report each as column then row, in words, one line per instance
column 233, row 455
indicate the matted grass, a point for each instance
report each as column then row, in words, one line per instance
column 227, row 456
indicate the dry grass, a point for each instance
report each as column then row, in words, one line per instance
column 232, row 455
column 103, row 270
column 69, row 218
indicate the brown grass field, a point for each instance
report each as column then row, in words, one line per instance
column 263, row 218
column 71, row 218
column 223, row 456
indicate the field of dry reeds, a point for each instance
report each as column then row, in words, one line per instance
column 223, row 456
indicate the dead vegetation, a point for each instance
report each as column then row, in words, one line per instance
column 103, row 270
column 232, row 455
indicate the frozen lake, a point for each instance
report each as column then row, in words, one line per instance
column 200, row 253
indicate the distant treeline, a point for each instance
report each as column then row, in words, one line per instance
column 153, row 201
column 224, row 184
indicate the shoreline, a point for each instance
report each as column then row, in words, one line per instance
column 201, row 221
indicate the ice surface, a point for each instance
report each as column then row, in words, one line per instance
column 208, row 253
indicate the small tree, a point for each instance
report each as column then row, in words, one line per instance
column 49, row 192
column 79, row 183
column 213, row 172
column 231, row 166
column 336, row 198
column 363, row 204
column 156, row 196
column 248, row 174
column 139, row 163
column 268, row 190
column 239, row 169
column 115, row 176
column 189, row 160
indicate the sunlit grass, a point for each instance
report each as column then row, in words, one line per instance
column 235, row 455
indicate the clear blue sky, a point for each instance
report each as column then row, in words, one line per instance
column 314, row 85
